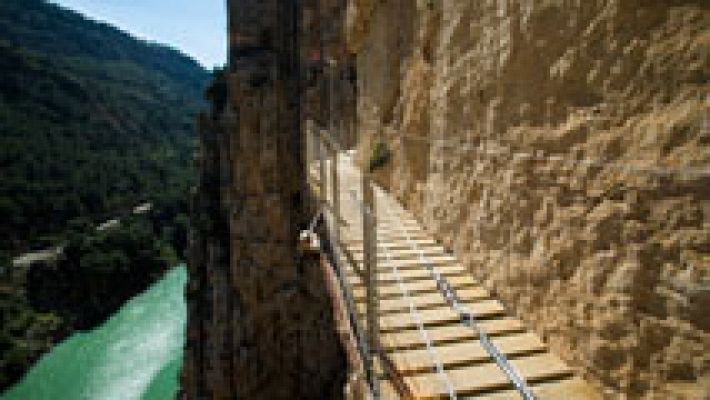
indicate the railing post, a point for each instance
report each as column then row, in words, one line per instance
column 335, row 182
column 331, row 96
column 310, row 148
column 320, row 150
column 369, row 241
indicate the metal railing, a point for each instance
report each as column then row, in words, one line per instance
column 322, row 157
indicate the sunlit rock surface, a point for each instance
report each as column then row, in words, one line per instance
column 561, row 149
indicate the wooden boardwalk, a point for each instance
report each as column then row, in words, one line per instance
column 413, row 312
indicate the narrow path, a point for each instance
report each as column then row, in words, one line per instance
column 434, row 354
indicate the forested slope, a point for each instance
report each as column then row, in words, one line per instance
column 92, row 121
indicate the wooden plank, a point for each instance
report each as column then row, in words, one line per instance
column 404, row 253
column 467, row 353
column 412, row 339
column 487, row 378
column 394, row 227
column 438, row 316
column 416, row 263
column 396, row 224
column 440, row 265
column 443, row 259
column 386, row 267
column 355, row 239
column 356, row 236
column 386, row 220
column 569, row 388
column 422, row 273
column 408, row 244
column 393, row 233
column 414, row 287
column 384, row 276
column 356, row 244
column 428, row 300
column 396, row 231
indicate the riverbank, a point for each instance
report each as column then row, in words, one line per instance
column 97, row 272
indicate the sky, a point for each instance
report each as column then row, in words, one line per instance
column 198, row 28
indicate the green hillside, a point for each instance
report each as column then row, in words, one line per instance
column 92, row 121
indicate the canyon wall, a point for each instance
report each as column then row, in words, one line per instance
column 260, row 323
column 561, row 149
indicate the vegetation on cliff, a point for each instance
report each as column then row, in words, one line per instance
column 92, row 123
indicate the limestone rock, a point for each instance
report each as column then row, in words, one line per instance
column 561, row 149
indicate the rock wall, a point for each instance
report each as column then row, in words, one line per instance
column 561, row 148
column 329, row 90
column 260, row 324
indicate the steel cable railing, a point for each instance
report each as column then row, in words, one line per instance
column 366, row 337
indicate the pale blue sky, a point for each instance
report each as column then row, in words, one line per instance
column 196, row 27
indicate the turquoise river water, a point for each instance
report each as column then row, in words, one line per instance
column 135, row 355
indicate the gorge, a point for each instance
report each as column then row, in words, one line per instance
column 544, row 162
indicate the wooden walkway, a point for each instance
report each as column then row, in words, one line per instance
column 410, row 300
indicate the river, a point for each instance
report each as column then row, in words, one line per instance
column 135, row 355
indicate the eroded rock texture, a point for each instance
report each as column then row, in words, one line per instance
column 259, row 318
column 561, row 148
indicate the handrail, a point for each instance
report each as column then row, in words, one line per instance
column 363, row 344
column 367, row 337
column 320, row 145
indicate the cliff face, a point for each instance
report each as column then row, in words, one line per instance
column 561, row 149
column 259, row 321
